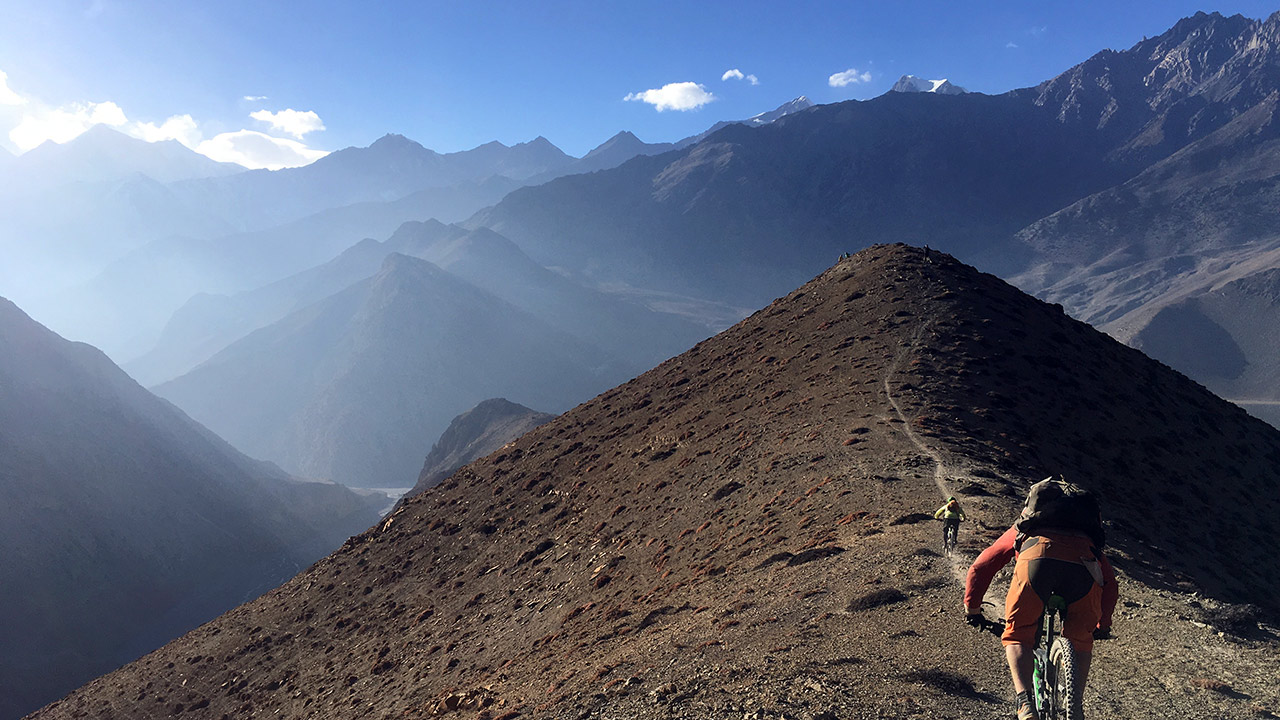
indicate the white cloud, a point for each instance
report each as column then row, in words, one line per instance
column 293, row 122
column 849, row 77
column 1011, row 44
column 34, row 122
column 736, row 74
column 675, row 96
column 257, row 150
column 179, row 127
column 64, row 123
column 8, row 96
column 1038, row 30
column 255, row 98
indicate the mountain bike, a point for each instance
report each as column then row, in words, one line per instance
column 1057, row 691
column 950, row 532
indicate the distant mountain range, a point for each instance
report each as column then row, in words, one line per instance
column 391, row 168
column 760, row 120
column 1132, row 181
column 127, row 304
column 118, row 255
column 125, row 523
column 749, row 212
column 220, row 354
column 104, row 155
column 356, row 386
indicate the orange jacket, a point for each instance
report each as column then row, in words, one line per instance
column 1001, row 552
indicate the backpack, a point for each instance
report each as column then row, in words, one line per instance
column 1055, row 503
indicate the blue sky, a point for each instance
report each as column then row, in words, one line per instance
column 276, row 83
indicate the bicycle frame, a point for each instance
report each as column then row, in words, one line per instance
column 950, row 536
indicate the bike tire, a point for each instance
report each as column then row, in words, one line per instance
column 1069, row 696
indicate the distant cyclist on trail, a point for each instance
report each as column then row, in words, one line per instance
column 1058, row 542
column 950, row 514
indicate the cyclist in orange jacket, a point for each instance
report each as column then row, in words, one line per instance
column 1061, row 559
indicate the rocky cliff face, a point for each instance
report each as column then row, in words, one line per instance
column 744, row 530
column 475, row 433
column 1167, row 91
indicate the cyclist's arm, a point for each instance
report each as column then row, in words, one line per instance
column 985, row 568
column 938, row 513
column 1110, row 592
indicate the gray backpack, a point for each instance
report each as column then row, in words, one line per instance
column 1055, row 503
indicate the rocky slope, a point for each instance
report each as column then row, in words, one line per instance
column 743, row 531
column 123, row 522
column 1169, row 90
column 474, row 434
column 1141, row 259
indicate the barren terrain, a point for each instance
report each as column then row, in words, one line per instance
column 745, row 532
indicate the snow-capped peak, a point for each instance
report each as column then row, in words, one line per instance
column 911, row 83
column 764, row 118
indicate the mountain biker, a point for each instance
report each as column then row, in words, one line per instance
column 950, row 514
column 1064, row 558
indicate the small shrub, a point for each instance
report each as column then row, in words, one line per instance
column 944, row 680
column 1207, row 684
column 814, row 554
column 876, row 598
column 1238, row 620
column 911, row 519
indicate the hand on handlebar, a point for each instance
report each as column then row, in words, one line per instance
column 979, row 621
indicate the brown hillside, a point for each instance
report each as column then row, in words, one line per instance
column 741, row 533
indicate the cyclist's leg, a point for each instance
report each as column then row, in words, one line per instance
column 1021, row 660
column 1022, row 610
column 1082, row 618
column 1083, row 661
column 1056, row 569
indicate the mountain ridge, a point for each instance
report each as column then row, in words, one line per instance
column 357, row 384
column 741, row 530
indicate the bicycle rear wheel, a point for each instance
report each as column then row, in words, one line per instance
column 1068, row 696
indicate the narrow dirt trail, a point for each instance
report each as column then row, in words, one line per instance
column 942, row 470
